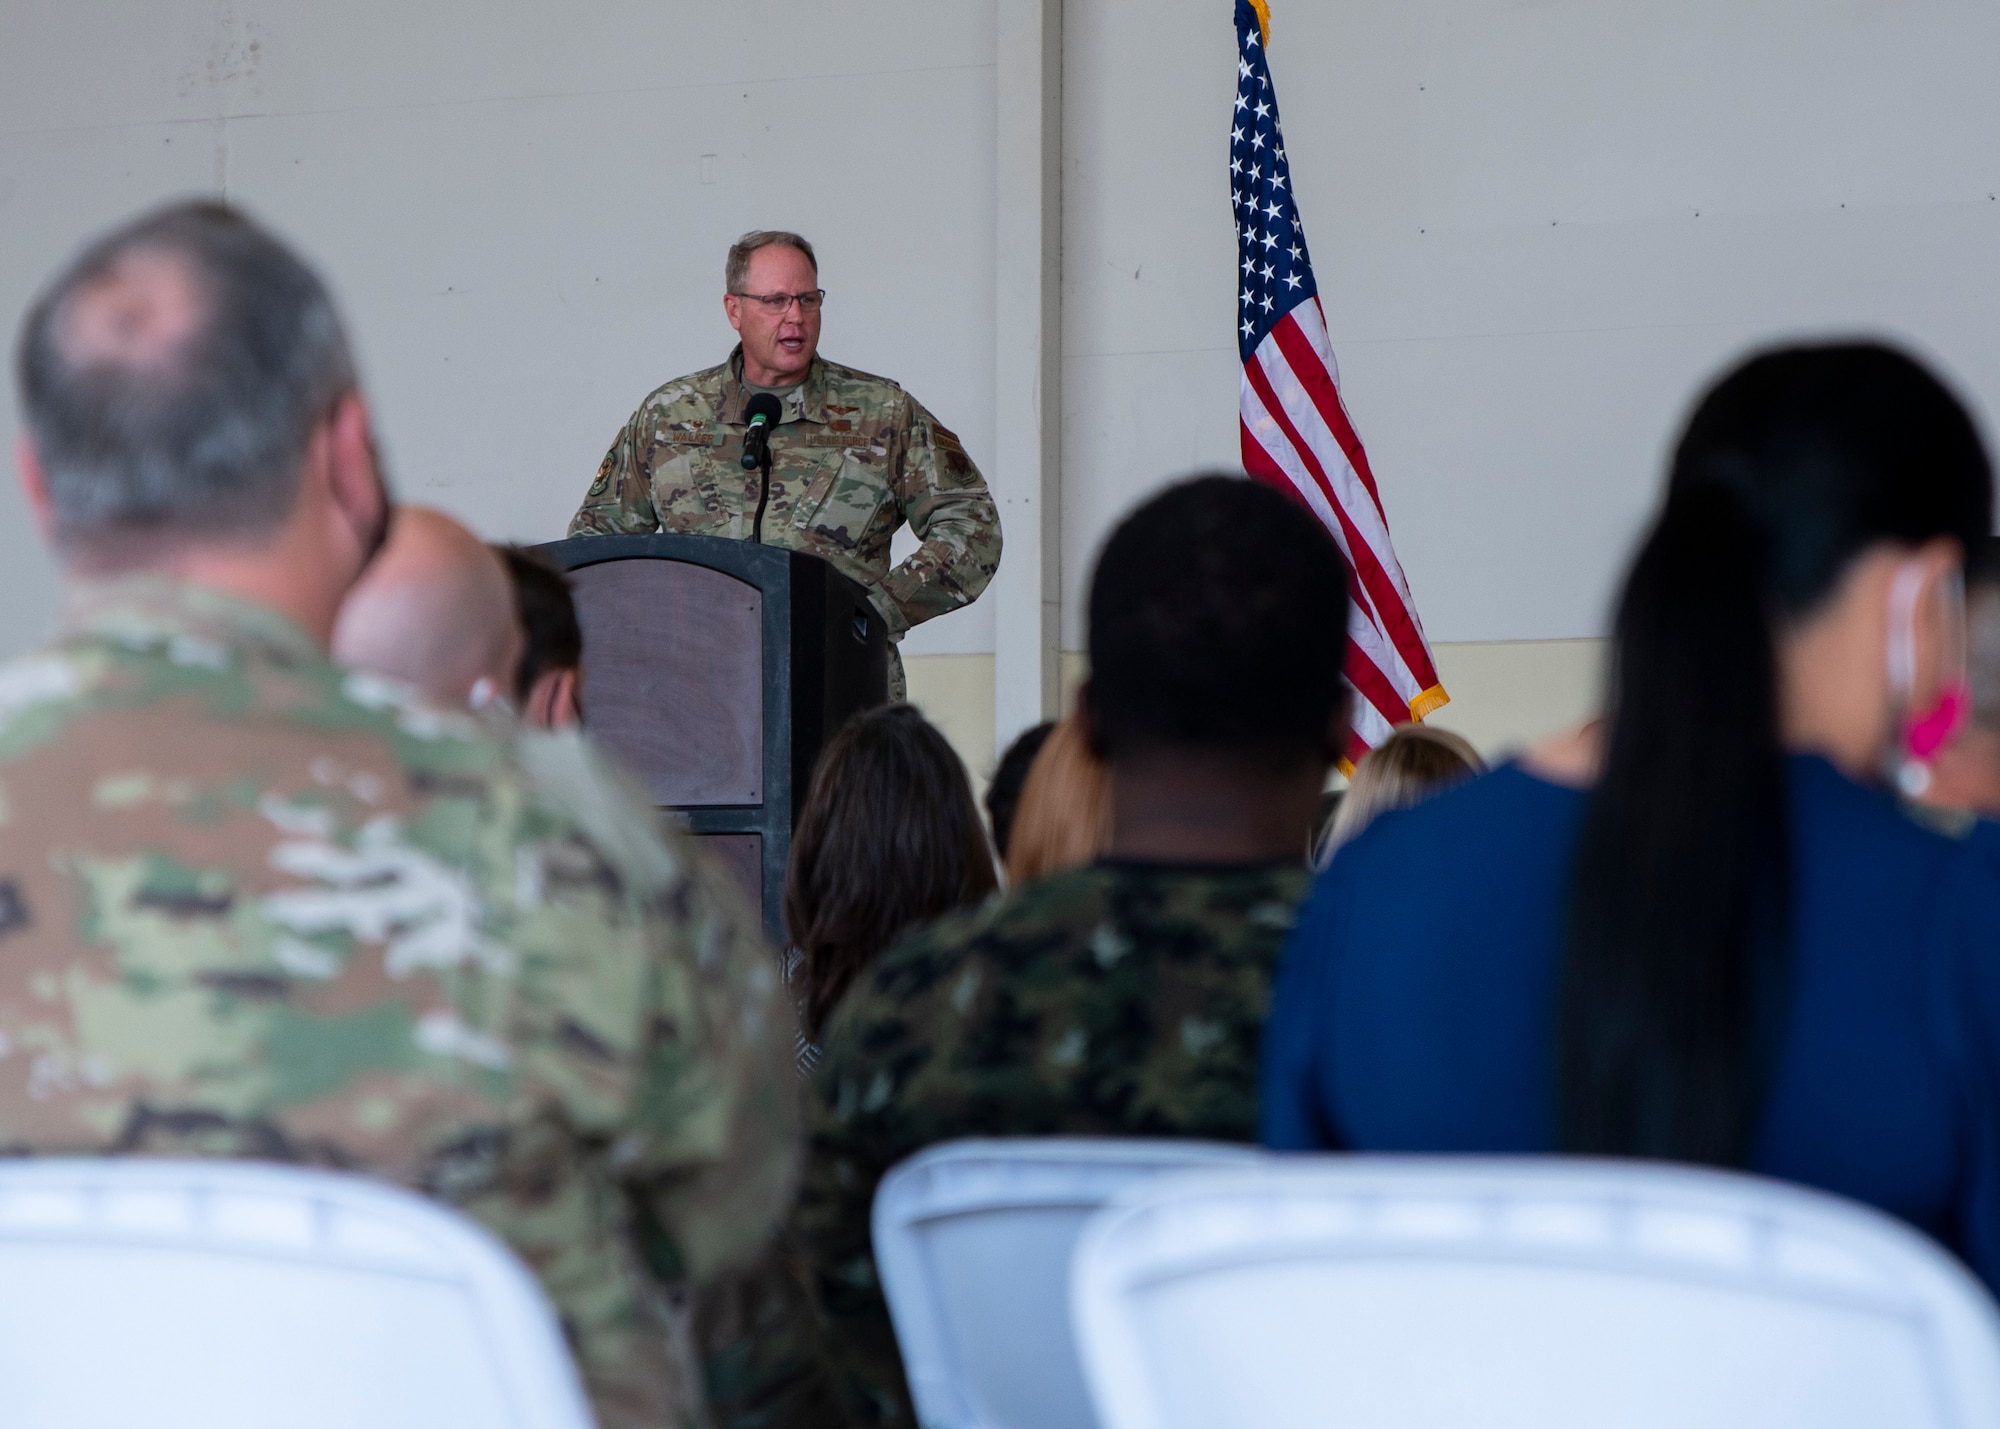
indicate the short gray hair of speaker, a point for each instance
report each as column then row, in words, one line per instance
column 737, row 269
column 206, row 439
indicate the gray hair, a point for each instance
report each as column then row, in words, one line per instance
column 738, row 267
column 206, row 437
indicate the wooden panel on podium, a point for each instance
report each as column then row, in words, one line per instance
column 716, row 670
column 675, row 676
column 743, row 856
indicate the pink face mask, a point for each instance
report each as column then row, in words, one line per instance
column 1925, row 732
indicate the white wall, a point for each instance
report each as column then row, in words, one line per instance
column 513, row 203
column 1501, row 198
column 1537, row 227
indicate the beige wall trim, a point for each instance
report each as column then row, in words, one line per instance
column 1027, row 374
column 1505, row 694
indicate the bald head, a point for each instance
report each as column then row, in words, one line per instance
column 435, row 610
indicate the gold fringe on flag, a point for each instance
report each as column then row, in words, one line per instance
column 1429, row 702
column 1263, row 9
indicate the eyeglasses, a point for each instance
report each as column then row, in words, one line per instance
column 777, row 304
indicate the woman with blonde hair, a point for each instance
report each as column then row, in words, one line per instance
column 1413, row 763
column 1064, row 817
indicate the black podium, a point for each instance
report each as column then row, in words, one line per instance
column 717, row 670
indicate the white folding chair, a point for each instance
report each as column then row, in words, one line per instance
column 1380, row 1292
column 232, row 1295
column 972, row 1241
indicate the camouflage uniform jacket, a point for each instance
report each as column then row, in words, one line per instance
column 1123, row 999
column 252, row 905
column 852, row 459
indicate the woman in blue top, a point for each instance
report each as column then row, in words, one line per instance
column 1703, row 931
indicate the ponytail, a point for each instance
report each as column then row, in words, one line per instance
column 1674, row 966
column 1677, row 908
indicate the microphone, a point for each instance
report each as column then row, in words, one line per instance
column 763, row 412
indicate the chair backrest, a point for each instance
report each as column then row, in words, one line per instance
column 1377, row 1291
column 228, row 1295
column 973, row 1241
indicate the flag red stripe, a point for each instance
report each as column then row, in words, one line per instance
column 1285, row 465
column 1366, row 726
column 1389, row 593
column 1374, row 687
column 1360, row 666
column 1317, row 339
column 1301, row 368
column 1387, row 601
column 1309, row 366
column 1305, row 363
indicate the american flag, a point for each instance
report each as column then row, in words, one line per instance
column 1296, row 435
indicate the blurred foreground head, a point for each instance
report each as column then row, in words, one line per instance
column 190, row 408
column 548, row 681
column 1218, row 626
column 435, row 611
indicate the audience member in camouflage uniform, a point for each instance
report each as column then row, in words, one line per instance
column 1124, row 998
column 252, row 905
column 853, row 456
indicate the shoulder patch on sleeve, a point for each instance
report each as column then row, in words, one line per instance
column 945, row 439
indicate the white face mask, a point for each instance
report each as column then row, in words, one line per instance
column 485, row 695
column 1922, row 734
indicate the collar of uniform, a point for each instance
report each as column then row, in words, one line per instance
column 808, row 404
column 150, row 606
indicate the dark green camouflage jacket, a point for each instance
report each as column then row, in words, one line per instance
column 852, row 459
column 1123, row 999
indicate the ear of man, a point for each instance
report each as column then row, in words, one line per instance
column 551, row 702
column 358, row 498
column 35, row 487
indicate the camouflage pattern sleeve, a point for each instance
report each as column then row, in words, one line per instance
column 620, row 499
column 737, row 1124
column 712, row 1134
column 703, row 1142
column 945, row 500
column 718, row 1225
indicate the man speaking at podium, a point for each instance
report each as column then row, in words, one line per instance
column 851, row 457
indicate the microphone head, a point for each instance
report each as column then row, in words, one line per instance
column 761, row 412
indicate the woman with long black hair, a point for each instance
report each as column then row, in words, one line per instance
column 1702, row 930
